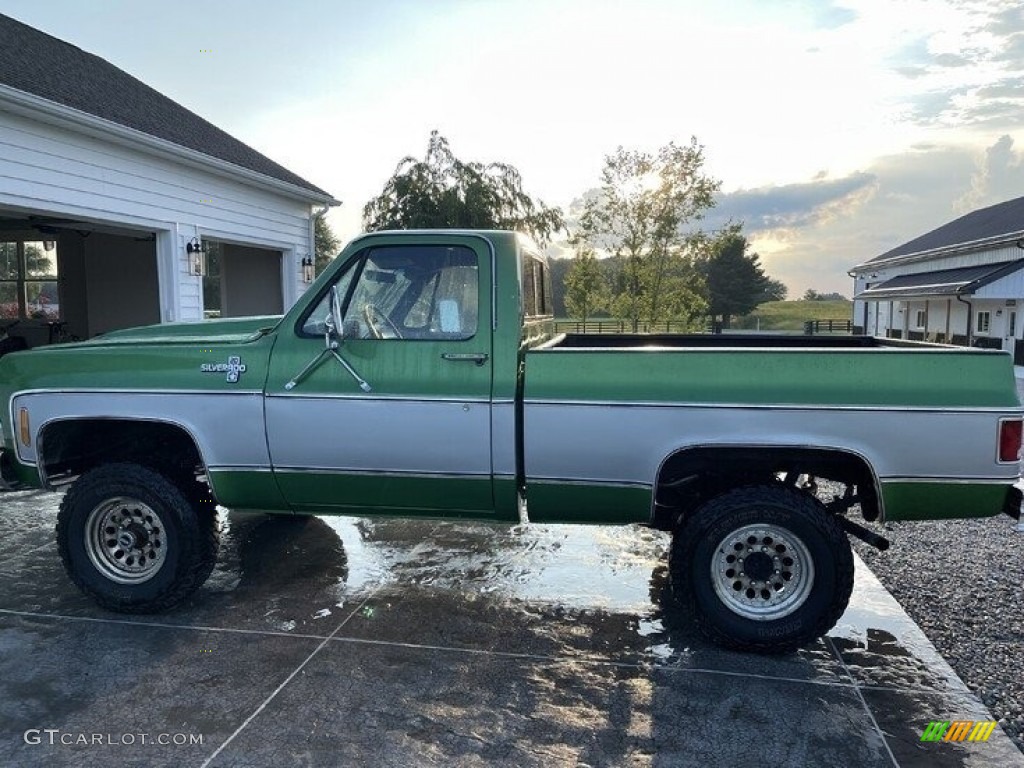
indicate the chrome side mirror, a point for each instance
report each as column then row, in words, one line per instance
column 333, row 322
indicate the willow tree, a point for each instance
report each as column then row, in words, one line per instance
column 440, row 191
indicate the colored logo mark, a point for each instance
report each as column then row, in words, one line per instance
column 958, row 730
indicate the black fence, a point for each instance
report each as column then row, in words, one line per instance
column 811, row 327
column 620, row 326
column 814, row 327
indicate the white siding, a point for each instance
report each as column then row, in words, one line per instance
column 1009, row 287
column 45, row 169
column 991, row 256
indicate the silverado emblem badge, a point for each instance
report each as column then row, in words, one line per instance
column 234, row 368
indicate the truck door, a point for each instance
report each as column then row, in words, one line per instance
column 399, row 421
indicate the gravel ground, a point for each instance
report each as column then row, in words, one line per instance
column 963, row 582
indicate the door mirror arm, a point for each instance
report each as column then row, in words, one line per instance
column 334, row 322
column 334, row 335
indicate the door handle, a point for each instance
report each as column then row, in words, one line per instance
column 474, row 357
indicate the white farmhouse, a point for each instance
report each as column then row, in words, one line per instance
column 119, row 207
column 962, row 283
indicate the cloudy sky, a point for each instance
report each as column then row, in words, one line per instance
column 839, row 129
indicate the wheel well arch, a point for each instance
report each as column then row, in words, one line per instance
column 691, row 475
column 68, row 446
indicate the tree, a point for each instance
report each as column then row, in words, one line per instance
column 812, row 295
column 442, row 191
column 586, row 289
column 558, row 268
column 37, row 263
column 736, row 280
column 326, row 243
column 775, row 291
column 639, row 215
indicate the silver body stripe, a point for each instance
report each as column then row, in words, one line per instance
column 503, row 438
column 565, row 441
column 628, row 444
column 390, row 436
column 227, row 427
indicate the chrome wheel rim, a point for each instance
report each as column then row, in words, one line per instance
column 762, row 572
column 125, row 540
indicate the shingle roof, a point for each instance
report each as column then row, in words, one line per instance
column 1000, row 219
column 36, row 63
column 943, row 282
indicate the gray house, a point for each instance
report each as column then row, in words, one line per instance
column 962, row 283
column 120, row 207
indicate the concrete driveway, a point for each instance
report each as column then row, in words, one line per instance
column 338, row 641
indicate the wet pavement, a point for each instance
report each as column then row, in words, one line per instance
column 340, row 641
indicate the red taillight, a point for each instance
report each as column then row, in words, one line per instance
column 1009, row 440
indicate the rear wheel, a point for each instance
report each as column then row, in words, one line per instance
column 764, row 568
column 133, row 540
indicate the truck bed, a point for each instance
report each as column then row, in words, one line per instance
column 603, row 412
column 761, row 370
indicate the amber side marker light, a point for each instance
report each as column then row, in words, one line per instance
column 1009, row 440
column 23, row 430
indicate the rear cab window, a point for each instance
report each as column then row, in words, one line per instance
column 536, row 287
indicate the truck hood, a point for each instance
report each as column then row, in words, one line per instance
column 234, row 331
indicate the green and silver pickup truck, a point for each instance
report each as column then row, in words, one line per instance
column 420, row 376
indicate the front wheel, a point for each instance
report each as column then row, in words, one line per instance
column 764, row 568
column 133, row 540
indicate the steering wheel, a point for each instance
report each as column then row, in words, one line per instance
column 373, row 315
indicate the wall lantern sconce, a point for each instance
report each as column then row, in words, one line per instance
column 307, row 269
column 196, row 251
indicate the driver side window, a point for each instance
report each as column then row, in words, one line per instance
column 408, row 292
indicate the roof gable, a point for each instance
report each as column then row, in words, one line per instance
column 39, row 64
column 1002, row 219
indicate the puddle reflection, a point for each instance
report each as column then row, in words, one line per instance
column 307, row 568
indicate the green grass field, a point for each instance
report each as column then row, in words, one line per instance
column 790, row 315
